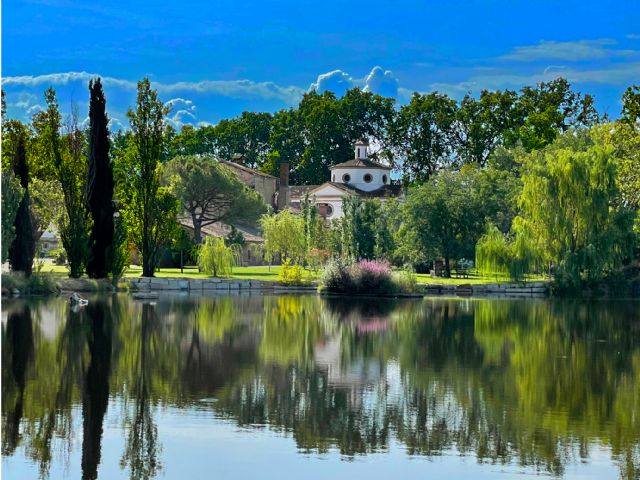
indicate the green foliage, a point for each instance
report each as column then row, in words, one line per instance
column 631, row 105
column 406, row 280
column 422, row 134
column 68, row 160
column 569, row 205
column 22, row 248
column 12, row 194
column 235, row 237
column 117, row 258
column 47, row 204
column 443, row 217
column 217, row 259
column 211, row 192
column 284, row 235
column 149, row 209
column 497, row 256
column 363, row 230
column 368, row 277
column 99, row 185
column 290, row 273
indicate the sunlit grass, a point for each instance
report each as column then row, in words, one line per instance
column 271, row 274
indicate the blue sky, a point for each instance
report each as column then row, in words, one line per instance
column 214, row 59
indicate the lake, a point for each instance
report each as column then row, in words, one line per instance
column 305, row 387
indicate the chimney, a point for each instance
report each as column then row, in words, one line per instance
column 283, row 190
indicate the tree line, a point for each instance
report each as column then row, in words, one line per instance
column 433, row 131
column 108, row 195
column 563, row 200
column 535, row 179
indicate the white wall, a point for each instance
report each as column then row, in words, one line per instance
column 357, row 177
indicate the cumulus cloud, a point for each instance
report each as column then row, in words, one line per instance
column 181, row 118
column 180, row 102
column 568, row 51
column 382, row 82
column 336, row 81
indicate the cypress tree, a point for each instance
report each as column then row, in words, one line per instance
column 23, row 247
column 100, row 184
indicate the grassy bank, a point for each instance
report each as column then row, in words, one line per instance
column 271, row 274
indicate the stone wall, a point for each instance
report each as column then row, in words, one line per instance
column 218, row 285
column 530, row 289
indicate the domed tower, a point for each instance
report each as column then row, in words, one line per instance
column 360, row 172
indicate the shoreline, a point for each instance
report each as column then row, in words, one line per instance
column 159, row 285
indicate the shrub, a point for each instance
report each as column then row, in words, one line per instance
column 336, row 276
column 372, row 276
column 290, row 274
column 367, row 277
column 59, row 256
column 36, row 284
column 406, row 280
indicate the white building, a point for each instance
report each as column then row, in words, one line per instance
column 360, row 176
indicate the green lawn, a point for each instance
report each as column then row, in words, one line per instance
column 271, row 273
column 246, row 273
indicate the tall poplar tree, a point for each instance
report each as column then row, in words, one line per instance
column 100, row 184
column 150, row 209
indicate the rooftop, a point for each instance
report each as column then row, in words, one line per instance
column 360, row 163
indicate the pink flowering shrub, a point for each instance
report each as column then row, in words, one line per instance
column 366, row 276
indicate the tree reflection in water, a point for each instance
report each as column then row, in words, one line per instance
column 534, row 383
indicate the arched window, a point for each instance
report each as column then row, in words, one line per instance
column 329, row 210
column 384, row 179
column 334, row 178
column 346, row 178
column 368, row 178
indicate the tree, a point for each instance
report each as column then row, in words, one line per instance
column 484, row 124
column 23, row 248
column 568, row 201
column 284, row 235
column 331, row 126
column 443, row 217
column 12, row 194
column 216, row 258
column 149, row 209
column 100, row 184
column 363, row 229
column 498, row 255
column 551, row 108
column 247, row 135
column 631, row 105
column 423, row 135
column 211, row 192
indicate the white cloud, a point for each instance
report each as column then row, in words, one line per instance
column 633, row 36
column 336, row 81
column 177, row 102
column 619, row 74
column 567, row 51
column 382, row 82
column 241, row 89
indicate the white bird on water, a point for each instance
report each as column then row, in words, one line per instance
column 76, row 299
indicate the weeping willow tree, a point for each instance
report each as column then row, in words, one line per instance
column 570, row 204
column 216, row 258
column 497, row 256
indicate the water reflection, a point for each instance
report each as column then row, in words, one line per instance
column 532, row 383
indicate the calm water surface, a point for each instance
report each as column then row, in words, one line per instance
column 304, row 387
